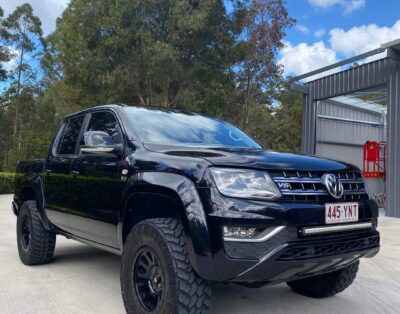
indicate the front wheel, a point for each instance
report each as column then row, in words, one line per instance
column 156, row 275
column 35, row 244
column 326, row 285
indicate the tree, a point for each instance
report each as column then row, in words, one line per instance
column 288, row 113
column 156, row 52
column 4, row 52
column 190, row 54
column 21, row 32
column 263, row 28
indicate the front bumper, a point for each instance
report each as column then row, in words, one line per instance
column 295, row 260
column 289, row 255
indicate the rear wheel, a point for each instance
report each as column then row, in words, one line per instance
column 326, row 285
column 156, row 275
column 35, row 244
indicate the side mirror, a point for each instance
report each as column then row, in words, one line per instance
column 100, row 142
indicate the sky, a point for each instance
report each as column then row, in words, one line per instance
column 326, row 31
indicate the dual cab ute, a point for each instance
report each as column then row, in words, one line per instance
column 188, row 200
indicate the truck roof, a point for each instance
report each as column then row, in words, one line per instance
column 91, row 109
column 114, row 106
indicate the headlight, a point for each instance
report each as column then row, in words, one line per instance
column 245, row 183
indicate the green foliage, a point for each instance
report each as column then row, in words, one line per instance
column 278, row 126
column 165, row 53
column 189, row 54
column 4, row 52
column 288, row 120
column 7, row 182
column 21, row 32
column 258, row 74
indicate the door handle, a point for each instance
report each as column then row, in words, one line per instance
column 75, row 173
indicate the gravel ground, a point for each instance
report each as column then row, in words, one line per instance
column 82, row 279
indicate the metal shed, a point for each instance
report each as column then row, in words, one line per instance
column 343, row 125
column 356, row 104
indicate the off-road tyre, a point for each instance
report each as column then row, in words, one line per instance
column 38, row 246
column 182, row 290
column 326, row 285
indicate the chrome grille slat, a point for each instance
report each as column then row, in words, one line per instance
column 318, row 192
column 311, row 180
column 353, row 192
column 296, row 180
column 303, row 192
column 307, row 186
column 351, row 181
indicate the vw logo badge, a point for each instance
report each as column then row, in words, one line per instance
column 333, row 185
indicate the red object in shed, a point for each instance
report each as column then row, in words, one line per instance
column 374, row 160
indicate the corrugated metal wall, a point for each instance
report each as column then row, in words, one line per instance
column 341, row 131
column 365, row 76
column 381, row 72
column 393, row 164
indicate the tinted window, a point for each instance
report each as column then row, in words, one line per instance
column 173, row 127
column 106, row 122
column 70, row 136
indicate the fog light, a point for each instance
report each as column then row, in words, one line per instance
column 250, row 234
column 239, row 232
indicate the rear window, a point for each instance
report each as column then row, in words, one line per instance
column 70, row 136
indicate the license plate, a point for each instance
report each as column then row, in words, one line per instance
column 341, row 212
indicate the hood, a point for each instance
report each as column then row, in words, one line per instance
column 253, row 158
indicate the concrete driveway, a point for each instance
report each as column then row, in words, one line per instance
column 82, row 279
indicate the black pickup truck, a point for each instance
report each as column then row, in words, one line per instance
column 187, row 200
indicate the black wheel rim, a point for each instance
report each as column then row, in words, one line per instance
column 148, row 277
column 26, row 232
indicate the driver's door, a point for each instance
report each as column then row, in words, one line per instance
column 96, row 188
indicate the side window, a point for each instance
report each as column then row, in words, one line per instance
column 70, row 136
column 105, row 122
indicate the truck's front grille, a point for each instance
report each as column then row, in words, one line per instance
column 306, row 186
column 313, row 251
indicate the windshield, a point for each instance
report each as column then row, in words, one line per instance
column 175, row 127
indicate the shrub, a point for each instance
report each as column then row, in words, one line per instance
column 7, row 180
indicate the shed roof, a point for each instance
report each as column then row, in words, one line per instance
column 394, row 45
column 373, row 99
